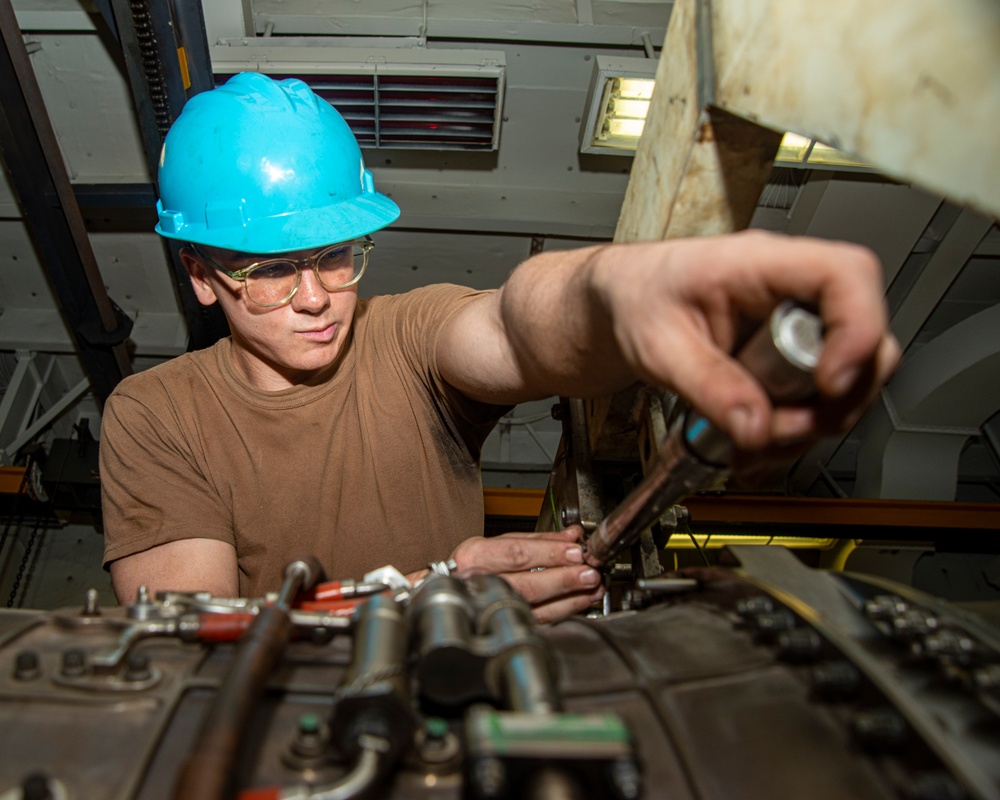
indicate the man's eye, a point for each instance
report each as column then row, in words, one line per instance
column 277, row 271
column 336, row 258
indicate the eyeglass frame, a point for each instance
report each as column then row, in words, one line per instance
column 366, row 244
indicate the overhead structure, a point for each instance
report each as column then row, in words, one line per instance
column 912, row 88
column 31, row 153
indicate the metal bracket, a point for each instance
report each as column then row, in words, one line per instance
column 705, row 54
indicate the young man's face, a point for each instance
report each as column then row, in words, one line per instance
column 280, row 346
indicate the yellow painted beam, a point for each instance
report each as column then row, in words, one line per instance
column 11, row 479
column 765, row 509
column 513, row 502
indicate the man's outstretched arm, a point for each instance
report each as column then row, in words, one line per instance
column 590, row 322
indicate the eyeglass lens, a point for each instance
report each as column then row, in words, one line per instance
column 337, row 267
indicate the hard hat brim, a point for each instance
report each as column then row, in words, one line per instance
column 303, row 230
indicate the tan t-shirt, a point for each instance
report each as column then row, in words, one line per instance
column 377, row 465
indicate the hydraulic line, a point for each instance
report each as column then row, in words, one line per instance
column 361, row 777
column 208, row 771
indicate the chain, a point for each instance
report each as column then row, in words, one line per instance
column 17, row 499
column 27, row 564
column 145, row 37
column 31, row 567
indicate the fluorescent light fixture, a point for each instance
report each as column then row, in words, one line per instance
column 801, row 151
column 618, row 102
column 617, row 105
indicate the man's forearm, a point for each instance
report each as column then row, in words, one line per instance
column 559, row 327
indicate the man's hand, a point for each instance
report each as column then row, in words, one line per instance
column 676, row 315
column 546, row 569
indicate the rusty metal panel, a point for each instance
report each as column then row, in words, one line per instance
column 911, row 87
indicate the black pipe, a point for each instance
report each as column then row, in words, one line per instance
column 208, row 772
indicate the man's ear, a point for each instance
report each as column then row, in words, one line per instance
column 198, row 272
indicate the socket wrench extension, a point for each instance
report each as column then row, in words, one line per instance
column 782, row 355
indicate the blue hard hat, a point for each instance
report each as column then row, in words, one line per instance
column 265, row 166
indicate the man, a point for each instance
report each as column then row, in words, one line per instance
column 351, row 429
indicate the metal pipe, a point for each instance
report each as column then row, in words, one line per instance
column 647, row 45
column 441, row 617
column 782, row 356
column 208, row 771
column 354, row 784
column 375, row 696
column 520, row 673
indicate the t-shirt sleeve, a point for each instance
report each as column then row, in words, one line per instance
column 417, row 320
column 153, row 490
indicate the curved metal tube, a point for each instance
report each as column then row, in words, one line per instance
column 208, row 770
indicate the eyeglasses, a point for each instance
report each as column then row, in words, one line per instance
column 275, row 281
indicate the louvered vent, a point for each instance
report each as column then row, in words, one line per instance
column 411, row 106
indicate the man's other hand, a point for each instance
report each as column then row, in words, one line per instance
column 546, row 569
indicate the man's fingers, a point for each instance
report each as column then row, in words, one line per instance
column 545, row 568
column 742, row 410
column 542, row 586
column 511, row 553
column 567, row 606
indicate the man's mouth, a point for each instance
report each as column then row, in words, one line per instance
column 321, row 334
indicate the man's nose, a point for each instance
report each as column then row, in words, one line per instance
column 311, row 295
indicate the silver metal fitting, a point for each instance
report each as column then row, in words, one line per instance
column 449, row 567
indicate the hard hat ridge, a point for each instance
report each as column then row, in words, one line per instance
column 263, row 166
column 268, row 93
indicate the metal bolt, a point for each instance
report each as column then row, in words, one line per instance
column 489, row 777
column 750, row 607
column 987, row 677
column 912, row 623
column 74, row 663
column 836, row 680
column 26, row 666
column 90, row 604
column 309, row 723
column 950, row 644
column 137, row 667
column 626, row 779
column 311, row 738
column 880, row 729
column 772, row 623
column 799, row 645
column 934, row 786
column 436, row 745
column 885, row 606
column 142, row 608
column 436, row 728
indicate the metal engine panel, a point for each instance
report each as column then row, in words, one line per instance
column 763, row 680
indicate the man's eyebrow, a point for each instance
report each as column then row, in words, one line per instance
column 237, row 260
